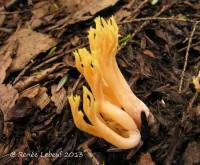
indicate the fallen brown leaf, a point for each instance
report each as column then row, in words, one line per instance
column 8, row 96
column 31, row 43
column 81, row 10
column 59, row 98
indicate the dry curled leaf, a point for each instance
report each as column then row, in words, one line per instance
column 59, row 98
column 38, row 95
column 27, row 48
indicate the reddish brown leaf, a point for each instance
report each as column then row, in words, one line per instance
column 149, row 53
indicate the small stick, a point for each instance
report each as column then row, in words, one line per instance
column 23, row 72
column 186, row 57
column 134, row 151
column 6, row 30
column 87, row 150
column 76, row 84
column 87, row 143
column 159, row 19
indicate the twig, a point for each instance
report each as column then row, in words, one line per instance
column 76, row 84
column 186, row 57
column 9, row 5
column 23, row 72
column 6, row 30
column 134, row 151
column 87, row 143
column 87, row 150
column 114, row 149
column 159, row 19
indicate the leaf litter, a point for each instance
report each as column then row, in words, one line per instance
column 35, row 115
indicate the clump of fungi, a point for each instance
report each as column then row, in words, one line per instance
column 113, row 111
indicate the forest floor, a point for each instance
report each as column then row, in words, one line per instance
column 159, row 55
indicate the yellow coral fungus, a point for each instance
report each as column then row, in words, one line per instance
column 112, row 109
column 106, row 120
